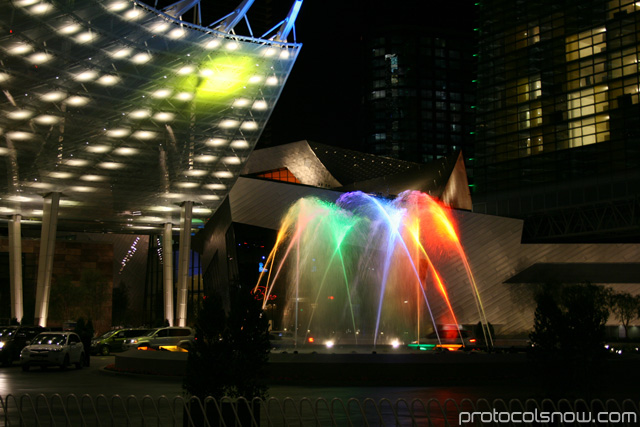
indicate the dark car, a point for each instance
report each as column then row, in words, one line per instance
column 13, row 339
column 113, row 340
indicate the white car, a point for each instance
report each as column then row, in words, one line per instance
column 53, row 349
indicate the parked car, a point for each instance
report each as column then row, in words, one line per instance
column 169, row 336
column 53, row 349
column 113, row 340
column 13, row 339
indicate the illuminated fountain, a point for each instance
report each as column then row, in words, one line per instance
column 365, row 270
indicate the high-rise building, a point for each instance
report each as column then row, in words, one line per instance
column 418, row 80
column 558, row 117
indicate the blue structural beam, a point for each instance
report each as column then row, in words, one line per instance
column 289, row 22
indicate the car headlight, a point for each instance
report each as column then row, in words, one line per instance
column 1, row 344
column 134, row 341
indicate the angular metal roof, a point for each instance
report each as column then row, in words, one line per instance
column 126, row 111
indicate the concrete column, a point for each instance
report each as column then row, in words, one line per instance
column 167, row 272
column 183, row 262
column 45, row 260
column 15, row 267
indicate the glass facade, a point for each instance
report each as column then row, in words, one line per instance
column 558, row 116
column 419, row 92
column 127, row 111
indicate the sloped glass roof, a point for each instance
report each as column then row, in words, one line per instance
column 126, row 111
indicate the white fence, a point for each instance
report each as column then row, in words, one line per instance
column 117, row 411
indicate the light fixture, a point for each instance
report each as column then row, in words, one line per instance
column 121, row 53
column 161, row 93
column 20, row 48
column 187, row 69
column 163, row 116
column 160, row 27
column 141, row 58
column 99, row 149
column 239, row 144
column 241, row 102
column 53, row 96
column 19, row 136
column 144, row 134
column 140, row 114
column 83, row 189
column 187, row 184
column 46, row 119
column 215, row 186
column 86, row 37
column 195, row 172
column 272, row 81
column 93, row 178
column 231, row 160
column 216, row 142
column 177, row 33
column 117, row 6
column 41, row 8
column 184, row 96
column 212, row 44
column 39, row 58
column 69, row 29
column 249, row 126
column 86, row 76
column 125, row 151
column 118, row 133
column 205, row 158
column 260, row 105
column 60, row 175
column 76, row 162
column 223, row 174
column 108, row 80
column 133, row 14
column 19, row 114
column 77, row 101
column 111, row 165
column 228, row 124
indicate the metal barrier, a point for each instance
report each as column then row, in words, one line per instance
column 116, row 411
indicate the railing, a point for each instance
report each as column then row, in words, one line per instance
column 117, row 411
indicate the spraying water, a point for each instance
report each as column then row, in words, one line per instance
column 365, row 268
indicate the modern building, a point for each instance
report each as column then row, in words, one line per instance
column 558, row 130
column 418, row 79
column 120, row 118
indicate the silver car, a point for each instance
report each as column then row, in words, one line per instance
column 53, row 349
column 169, row 336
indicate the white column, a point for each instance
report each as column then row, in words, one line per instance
column 45, row 260
column 183, row 262
column 15, row 267
column 167, row 272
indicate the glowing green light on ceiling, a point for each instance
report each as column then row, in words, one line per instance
column 220, row 77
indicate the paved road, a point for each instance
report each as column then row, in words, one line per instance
column 94, row 381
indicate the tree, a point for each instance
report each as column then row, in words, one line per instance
column 568, row 336
column 231, row 349
column 626, row 307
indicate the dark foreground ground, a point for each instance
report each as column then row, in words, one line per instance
column 619, row 376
